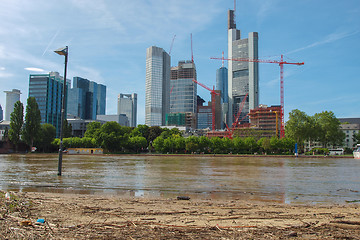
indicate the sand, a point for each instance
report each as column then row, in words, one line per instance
column 78, row 216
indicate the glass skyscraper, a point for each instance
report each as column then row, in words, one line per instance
column 86, row 99
column 243, row 77
column 222, row 85
column 183, row 96
column 157, row 86
column 48, row 91
column 1, row 113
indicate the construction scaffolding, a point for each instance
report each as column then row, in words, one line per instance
column 267, row 119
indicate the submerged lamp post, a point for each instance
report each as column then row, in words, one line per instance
column 62, row 51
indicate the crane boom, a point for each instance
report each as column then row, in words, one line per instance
column 281, row 65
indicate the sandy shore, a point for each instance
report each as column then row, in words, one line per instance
column 75, row 216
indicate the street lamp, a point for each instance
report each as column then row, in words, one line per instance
column 62, row 51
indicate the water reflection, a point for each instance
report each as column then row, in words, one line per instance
column 286, row 180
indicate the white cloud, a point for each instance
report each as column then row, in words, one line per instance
column 32, row 69
column 328, row 39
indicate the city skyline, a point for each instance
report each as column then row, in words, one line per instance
column 107, row 43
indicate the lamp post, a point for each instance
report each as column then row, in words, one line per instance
column 62, row 51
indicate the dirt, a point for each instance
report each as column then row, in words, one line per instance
column 76, row 216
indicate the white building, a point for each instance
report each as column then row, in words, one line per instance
column 127, row 104
column 157, row 86
column 11, row 98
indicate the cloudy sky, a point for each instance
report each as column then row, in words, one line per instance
column 107, row 42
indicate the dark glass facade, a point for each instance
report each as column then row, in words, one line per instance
column 86, row 99
column 48, row 91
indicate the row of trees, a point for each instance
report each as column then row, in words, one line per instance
column 322, row 127
column 30, row 130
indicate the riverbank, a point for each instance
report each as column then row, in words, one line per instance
column 72, row 216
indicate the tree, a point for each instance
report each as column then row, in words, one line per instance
column 137, row 143
column 300, row 127
column 154, row 132
column 158, row 144
column 92, row 129
column 16, row 123
column 329, row 129
column 113, row 136
column 32, row 125
column 46, row 137
column 356, row 137
column 251, row 144
column 67, row 129
column 264, row 144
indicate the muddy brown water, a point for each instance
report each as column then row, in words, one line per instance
column 283, row 180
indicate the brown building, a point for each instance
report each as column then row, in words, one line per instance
column 266, row 119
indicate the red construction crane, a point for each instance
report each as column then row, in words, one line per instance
column 281, row 64
column 213, row 93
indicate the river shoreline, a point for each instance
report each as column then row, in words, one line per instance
column 75, row 216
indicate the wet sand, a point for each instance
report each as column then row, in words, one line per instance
column 75, row 216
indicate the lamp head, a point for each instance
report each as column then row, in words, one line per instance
column 62, row 51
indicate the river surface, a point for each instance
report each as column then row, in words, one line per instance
column 265, row 179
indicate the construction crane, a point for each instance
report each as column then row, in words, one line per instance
column 281, row 64
column 213, row 93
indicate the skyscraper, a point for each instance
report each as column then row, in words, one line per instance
column 222, row 85
column 48, row 91
column 86, row 99
column 127, row 104
column 11, row 98
column 243, row 77
column 157, row 92
column 1, row 113
column 183, row 96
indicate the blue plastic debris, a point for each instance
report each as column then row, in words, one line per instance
column 41, row 220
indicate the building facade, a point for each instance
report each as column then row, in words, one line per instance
column 222, row 85
column 157, row 86
column 243, row 76
column 1, row 113
column 48, row 92
column 121, row 119
column 183, row 96
column 350, row 126
column 266, row 119
column 127, row 104
column 11, row 98
column 86, row 99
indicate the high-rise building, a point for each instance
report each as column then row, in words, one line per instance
column 127, row 104
column 222, row 85
column 243, row 77
column 48, row 91
column 157, row 92
column 11, row 98
column 86, row 99
column 183, row 96
column 1, row 113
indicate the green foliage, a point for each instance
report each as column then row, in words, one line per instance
column 300, row 127
column 264, row 145
column 137, row 144
column 192, row 144
column 154, row 132
column 356, row 137
column 67, row 129
column 321, row 151
column 113, row 137
column 329, row 129
column 92, row 129
column 32, row 125
column 251, row 145
column 158, row 144
column 16, row 123
column 46, row 137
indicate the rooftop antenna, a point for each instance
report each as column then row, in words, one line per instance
column 192, row 55
column 234, row 9
column 222, row 59
column 172, row 43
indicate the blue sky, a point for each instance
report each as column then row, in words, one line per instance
column 107, row 42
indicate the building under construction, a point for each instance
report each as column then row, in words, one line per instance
column 266, row 119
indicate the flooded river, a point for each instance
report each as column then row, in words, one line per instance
column 286, row 180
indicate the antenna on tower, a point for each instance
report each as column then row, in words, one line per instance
column 172, row 43
column 192, row 55
column 234, row 9
column 223, row 59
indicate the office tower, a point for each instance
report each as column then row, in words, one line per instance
column 243, row 77
column 127, row 104
column 222, row 85
column 157, row 92
column 1, row 113
column 48, row 92
column 11, row 98
column 86, row 99
column 183, row 96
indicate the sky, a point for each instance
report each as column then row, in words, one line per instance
column 108, row 39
